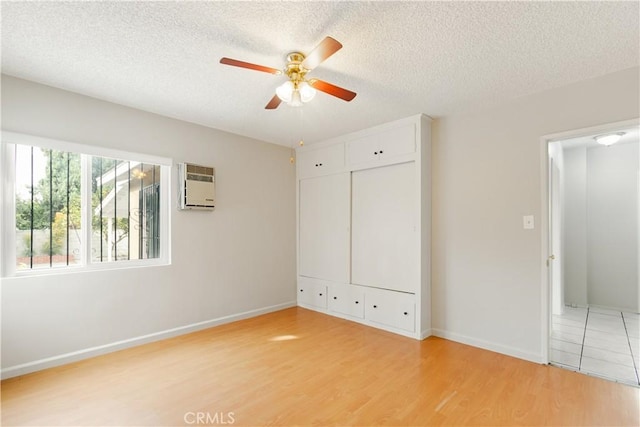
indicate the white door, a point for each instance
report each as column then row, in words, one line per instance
column 324, row 228
column 383, row 239
column 555, row 235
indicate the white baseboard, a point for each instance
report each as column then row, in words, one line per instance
column 63, row 359
column 486, row 345
column 426, row 334
column 626, row 310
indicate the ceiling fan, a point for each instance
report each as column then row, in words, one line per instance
column 298, row 89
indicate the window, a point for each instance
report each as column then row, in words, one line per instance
column 77, row 206
column 125, row 206
column 47, row 207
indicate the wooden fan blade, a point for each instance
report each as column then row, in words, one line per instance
column 242, row 64
column 273, row 104
column 333, row 90
column 325, row 49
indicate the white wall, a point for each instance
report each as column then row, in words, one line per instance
column 239, row 258
column 612, row 226
column 601, row 227
column 575, row 226
column 486, row 171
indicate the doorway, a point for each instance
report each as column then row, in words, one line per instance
column 592, row 252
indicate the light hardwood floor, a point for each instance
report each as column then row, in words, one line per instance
column 298, row 367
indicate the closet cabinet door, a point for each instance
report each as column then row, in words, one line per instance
column 324, row 227
column 321, row 161
column 382, row 147
column 384, row 239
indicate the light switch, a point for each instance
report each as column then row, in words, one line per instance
column 527, row 222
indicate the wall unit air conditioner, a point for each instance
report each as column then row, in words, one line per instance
column 197, row 186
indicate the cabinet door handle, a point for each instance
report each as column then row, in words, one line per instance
column 357, row 302
column 320, row 294
column 320, row 164
column 405, row 313
column 316, row 165
column 375, row 153
column 381, row 151
column 301, row 290
column 335, row 297
column 375, row 306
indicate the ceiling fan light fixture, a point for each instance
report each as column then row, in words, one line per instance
column 285, row 91
column 296, row 100
column 295, row 94
column 306, row 92
column 609, row 139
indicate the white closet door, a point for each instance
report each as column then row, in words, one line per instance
column 324, row 227
column 384, row 237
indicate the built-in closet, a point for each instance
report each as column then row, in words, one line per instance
column 364, row 223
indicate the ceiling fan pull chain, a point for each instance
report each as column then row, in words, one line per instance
column 301, row 126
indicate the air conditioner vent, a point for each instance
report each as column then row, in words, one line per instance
column 203, row 178
column 203, row 170
column 197, row 186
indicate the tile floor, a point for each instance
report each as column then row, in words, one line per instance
column 596, row 341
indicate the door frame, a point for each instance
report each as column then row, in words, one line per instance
column 545, row 214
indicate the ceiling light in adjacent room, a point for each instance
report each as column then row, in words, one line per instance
column 609, row 139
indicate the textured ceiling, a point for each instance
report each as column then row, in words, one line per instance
column 402, row 58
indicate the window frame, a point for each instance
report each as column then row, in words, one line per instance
column 8, row 204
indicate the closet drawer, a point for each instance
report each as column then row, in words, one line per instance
column 312, row 293
column 347, row 299
column 390, row 308
column 320, row 161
